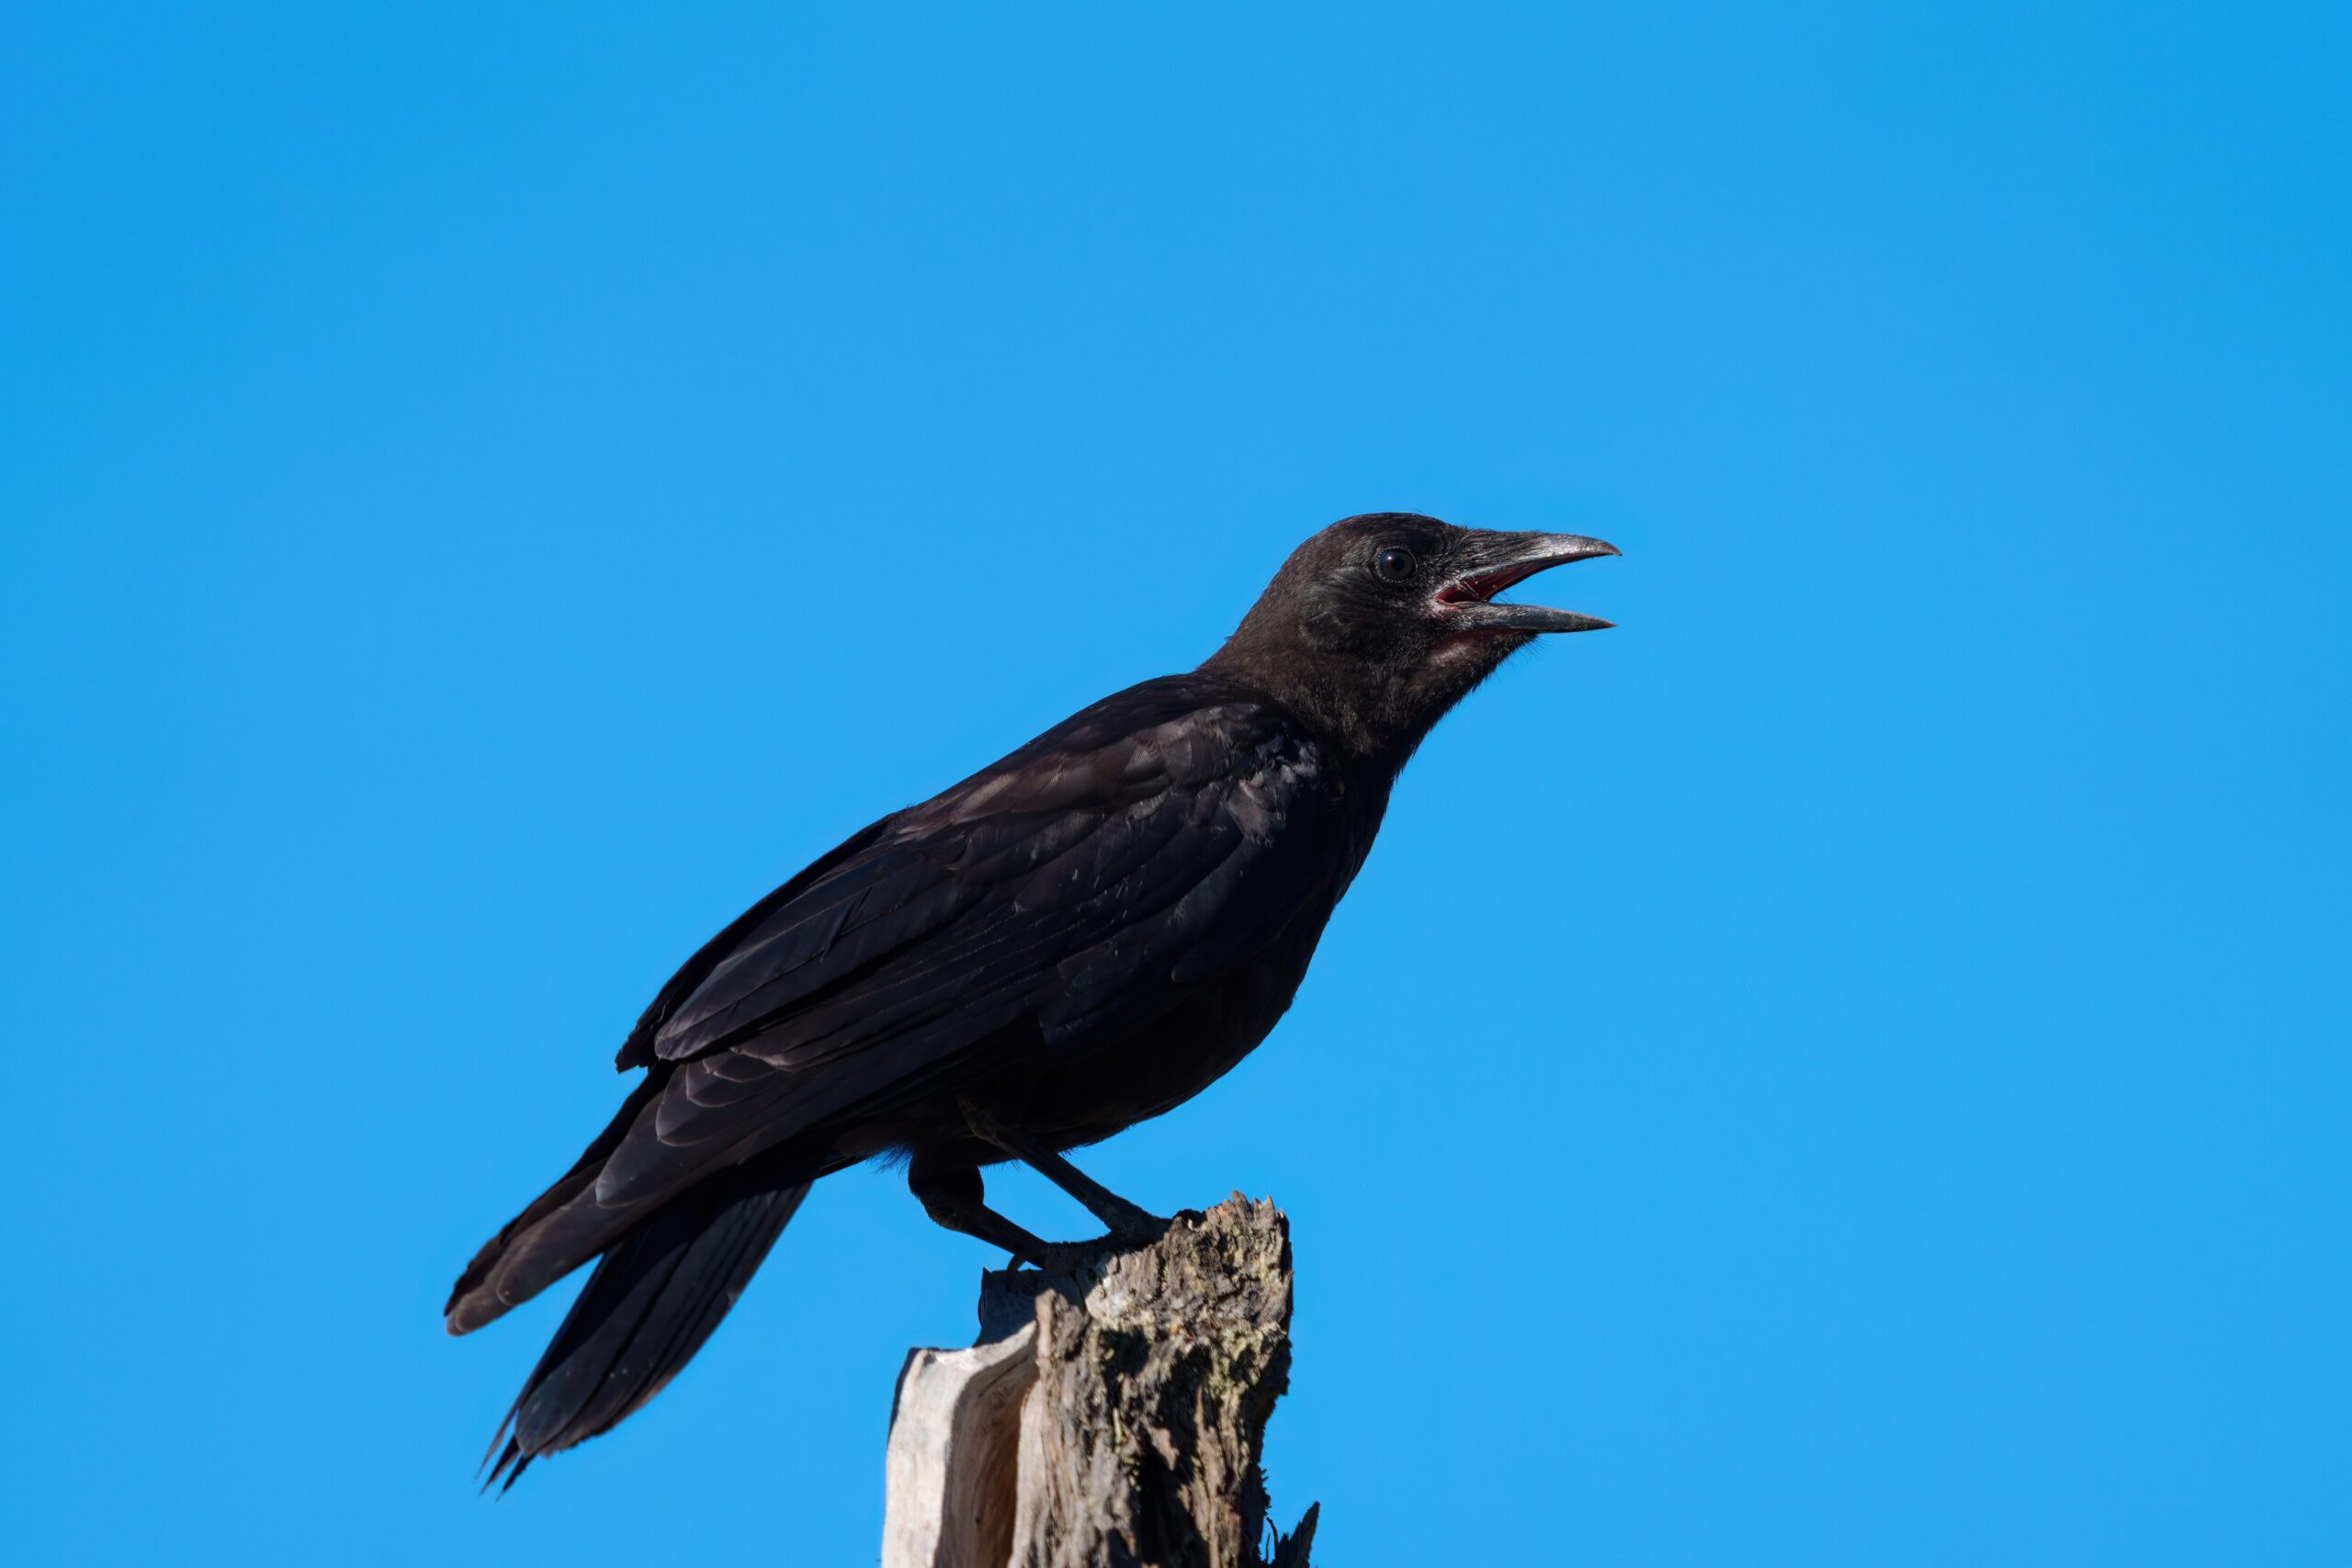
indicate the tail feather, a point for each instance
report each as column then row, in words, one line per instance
column 477, row 1298
column 651, row 1300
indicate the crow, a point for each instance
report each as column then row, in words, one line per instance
column 1081, row 935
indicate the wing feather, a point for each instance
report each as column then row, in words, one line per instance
column 1064, row 895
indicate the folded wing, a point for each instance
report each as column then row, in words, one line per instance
column 1045, row 906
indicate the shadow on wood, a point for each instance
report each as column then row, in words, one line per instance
column 1114, row 1414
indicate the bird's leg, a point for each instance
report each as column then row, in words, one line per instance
column 1127, row 1221
column 951, row 1196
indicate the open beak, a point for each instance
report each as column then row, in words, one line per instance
column 1491, row 562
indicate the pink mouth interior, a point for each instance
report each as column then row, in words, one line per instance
column 1481, row 586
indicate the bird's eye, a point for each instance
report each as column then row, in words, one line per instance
column 1394, row 565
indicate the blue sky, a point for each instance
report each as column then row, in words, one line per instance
column 1848, row 1068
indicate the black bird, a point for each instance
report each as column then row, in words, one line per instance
column 1080, row 936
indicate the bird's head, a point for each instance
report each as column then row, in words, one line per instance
column 1379, row 624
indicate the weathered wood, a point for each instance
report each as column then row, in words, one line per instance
column 1112, row 1413
column 952, row 1437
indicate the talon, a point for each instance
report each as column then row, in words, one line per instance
column 1048, row 1257
column 1139, row 1226
column 1070, row 1257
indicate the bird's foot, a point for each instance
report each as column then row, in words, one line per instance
column 1070, row 1257
column 1058, row 1257
column 1131, row 1222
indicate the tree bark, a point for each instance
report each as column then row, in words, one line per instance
column 1114, row 1414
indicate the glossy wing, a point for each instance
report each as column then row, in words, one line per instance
column 1063, row 896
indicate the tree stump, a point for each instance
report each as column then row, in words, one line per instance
column 1111, row 1414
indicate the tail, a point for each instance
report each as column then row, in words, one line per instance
column 563, row 1228
column 654, row 1297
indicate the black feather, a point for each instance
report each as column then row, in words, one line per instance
column 1081, row 935
column 647, row 1308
